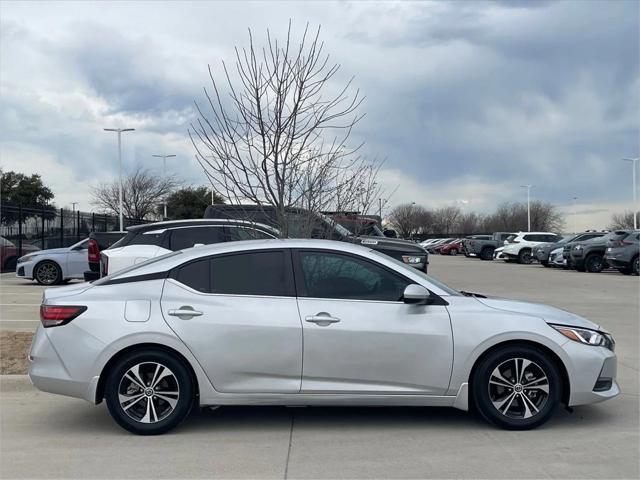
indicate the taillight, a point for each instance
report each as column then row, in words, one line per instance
column 94, row 251
column 56, row 315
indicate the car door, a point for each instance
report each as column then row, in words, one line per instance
column 360, row 337
column 238, row 314
column 76, row 260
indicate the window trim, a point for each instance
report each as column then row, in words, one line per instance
column 301, row 288
column 290, row 286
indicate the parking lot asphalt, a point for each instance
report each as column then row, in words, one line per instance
column 47, row 436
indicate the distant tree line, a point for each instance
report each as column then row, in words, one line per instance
column 411, row 219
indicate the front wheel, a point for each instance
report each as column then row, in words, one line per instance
column 516, row 387
column 594, row 263
column 486, row 253
column 524, row 256
column 47, row 273
column 149, row 392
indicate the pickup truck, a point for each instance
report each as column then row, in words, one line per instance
column 475, row 246
column 99, row 241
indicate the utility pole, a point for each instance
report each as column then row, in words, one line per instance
column 119, row 131
column 164, row 176
column 634, row 162
column 528, row 187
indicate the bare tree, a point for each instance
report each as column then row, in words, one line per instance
column 141, row 193
column 407, row 218
column 513, row 217
column 279, row 138
column 470, row 222
column 621, row 221
column 445, row 219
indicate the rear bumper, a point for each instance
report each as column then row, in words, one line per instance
column 49, row 372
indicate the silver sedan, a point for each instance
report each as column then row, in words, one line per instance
column 309, row 322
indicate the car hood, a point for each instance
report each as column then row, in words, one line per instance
column 548, row 313
column 48, row 252
column 404, row 246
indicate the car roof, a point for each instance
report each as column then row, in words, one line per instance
column 196, row 221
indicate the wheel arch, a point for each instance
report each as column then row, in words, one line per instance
column 564, row 375
column 104, row 373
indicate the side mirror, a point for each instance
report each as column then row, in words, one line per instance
column 416, row 294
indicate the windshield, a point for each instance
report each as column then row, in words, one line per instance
column 134, row 267
column 431, row 280
column 341, row 230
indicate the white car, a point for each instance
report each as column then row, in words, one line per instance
column 154, row 239
column 520, row 247
column 497, row 254
column 309, row 322
column 556, row 259
column 55, row 265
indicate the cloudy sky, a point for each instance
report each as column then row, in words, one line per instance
column 466, row 100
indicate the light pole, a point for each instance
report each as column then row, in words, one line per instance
column 528, row 187
column 575, row 218
column 164, row 175
column 634, row 162
column 73, row 206
column 119, row 131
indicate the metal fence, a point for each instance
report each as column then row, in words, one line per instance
column 24, row 230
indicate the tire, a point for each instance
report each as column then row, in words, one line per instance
column 151, row 414
column 544, row 263
column 487, row 253
column 453, row 251
column 524, row 256
column 635, row 265
column 594, row 263
column 47, row 272
column 503, row 402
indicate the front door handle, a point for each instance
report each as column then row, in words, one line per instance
column 322, row 319
column 185, row 312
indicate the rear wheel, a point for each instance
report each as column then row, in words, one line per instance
column 47, row 273
column 453, row 251
column 635, row 265
column 544, row 263
column 524, row 256
column 594, row 263
column 487, row 253
column 517, row 387
column 149, row 392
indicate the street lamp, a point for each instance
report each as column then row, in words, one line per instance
column 528, row 187
column 634, row 162
column 164, row 175
column 119, row 131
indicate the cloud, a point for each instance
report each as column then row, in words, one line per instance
column 466, row 100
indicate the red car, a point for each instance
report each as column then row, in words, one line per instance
column 9, row 253
column 452, row 248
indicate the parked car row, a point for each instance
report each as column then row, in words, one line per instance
column 590, row 251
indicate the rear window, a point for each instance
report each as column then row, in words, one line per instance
column 187, row 237
column 144, row 239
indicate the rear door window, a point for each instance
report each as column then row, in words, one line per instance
column 187, row 237
column 266, row 273
column 195, row 275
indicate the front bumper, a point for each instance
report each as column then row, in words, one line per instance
column 587, row 367
column 25, row 270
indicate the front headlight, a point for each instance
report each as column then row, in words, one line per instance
column 586, row 336
column 412, row 259
column 577, row 247
column 26, row 258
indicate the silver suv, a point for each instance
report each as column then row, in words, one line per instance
column 622, row 253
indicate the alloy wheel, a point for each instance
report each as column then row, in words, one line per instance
column 47, row 273
column 518, row 388
column 148, row 392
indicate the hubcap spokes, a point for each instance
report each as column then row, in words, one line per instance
column 518, row 388
column 47, row 273
column 148, row 392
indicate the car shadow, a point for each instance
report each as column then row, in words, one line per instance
column 91, row 420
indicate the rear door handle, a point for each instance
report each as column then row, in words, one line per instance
column 185, row 312
column 322, row 319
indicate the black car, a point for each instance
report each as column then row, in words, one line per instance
column 305, row 224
